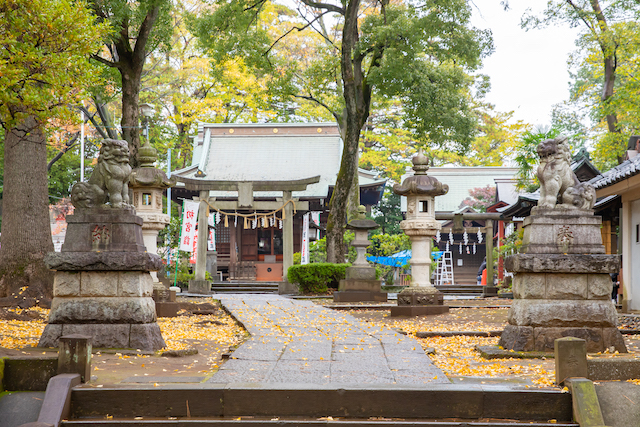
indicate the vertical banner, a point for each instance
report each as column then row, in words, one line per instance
column 194, row 253
column 211, row 243
column 304, row 251
column 189, row 221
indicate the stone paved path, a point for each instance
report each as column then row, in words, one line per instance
column 301, row 342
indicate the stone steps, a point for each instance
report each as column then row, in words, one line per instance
column 246, row 287
column 461, row 289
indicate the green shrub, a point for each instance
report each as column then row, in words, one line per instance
column 317, row 278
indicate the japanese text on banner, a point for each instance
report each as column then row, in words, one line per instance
column 189, row 221
column 304, row 249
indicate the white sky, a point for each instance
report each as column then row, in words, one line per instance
column 528, row 69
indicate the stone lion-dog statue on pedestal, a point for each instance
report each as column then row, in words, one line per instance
column 559, row 186
column 108, row 185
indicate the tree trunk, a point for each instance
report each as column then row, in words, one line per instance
column 26, row 229
column 355, row 114
column 609, row 63
column 130, row 100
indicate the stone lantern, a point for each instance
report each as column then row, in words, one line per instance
column 148, row 184
column 421, row 226
column 360, row 283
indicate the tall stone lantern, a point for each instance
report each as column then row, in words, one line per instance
column 148, row 184
column 420, row 225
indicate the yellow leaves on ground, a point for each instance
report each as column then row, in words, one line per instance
column 17, row 334
column 457, row 356
column 176, row 331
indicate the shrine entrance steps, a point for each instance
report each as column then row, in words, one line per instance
column 461, row 290
column 245, row 287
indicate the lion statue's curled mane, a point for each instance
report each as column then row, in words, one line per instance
column 559, row 186
column 108, row 185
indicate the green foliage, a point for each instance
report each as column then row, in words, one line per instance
column 184, row 274
column 44, row 63
column 526, row 157
column 388, row 244
column 388, row 214
column 604, row 72
column 318, row 250
column 510, row 245
column 317, row 278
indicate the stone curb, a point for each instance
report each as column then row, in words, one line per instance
column 288, row 400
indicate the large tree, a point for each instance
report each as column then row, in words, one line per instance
column 43, row 67
column 140, row 28
column 418, row 52
column 606, row 26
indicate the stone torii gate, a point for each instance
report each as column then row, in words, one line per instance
column 245, row 200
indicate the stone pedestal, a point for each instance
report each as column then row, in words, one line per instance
column 166, row 304
column 561, row 284
column 419, row 301
column 102, row 285
column 199, row 287
column 360, row 283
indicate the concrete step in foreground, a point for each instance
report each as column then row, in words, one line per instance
column 191, row 422
column 262, row 405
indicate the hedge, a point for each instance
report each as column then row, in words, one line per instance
column 316, row 278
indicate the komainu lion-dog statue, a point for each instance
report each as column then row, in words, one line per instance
column 559, row 186
column 108, row 185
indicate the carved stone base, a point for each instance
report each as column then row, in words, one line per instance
column 145, row 336
column 359, row 296
column 419, row 301
column 420, row 296
column 562, row 231
column 104, row 229
column 529, row 338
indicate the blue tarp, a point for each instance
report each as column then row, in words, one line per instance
column 400, row 259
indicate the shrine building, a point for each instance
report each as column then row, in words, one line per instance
column 259, row 181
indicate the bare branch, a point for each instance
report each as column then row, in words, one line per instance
column 292, row 30
column 325, row 6
column 95, row 124
column 105, row 61
column 320, row 103
column 67, row 146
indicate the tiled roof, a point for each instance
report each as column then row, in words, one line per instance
column 625, row 170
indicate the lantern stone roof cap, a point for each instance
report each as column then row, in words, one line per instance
column 360, row 222
column 421, row 184
column 150, row 177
